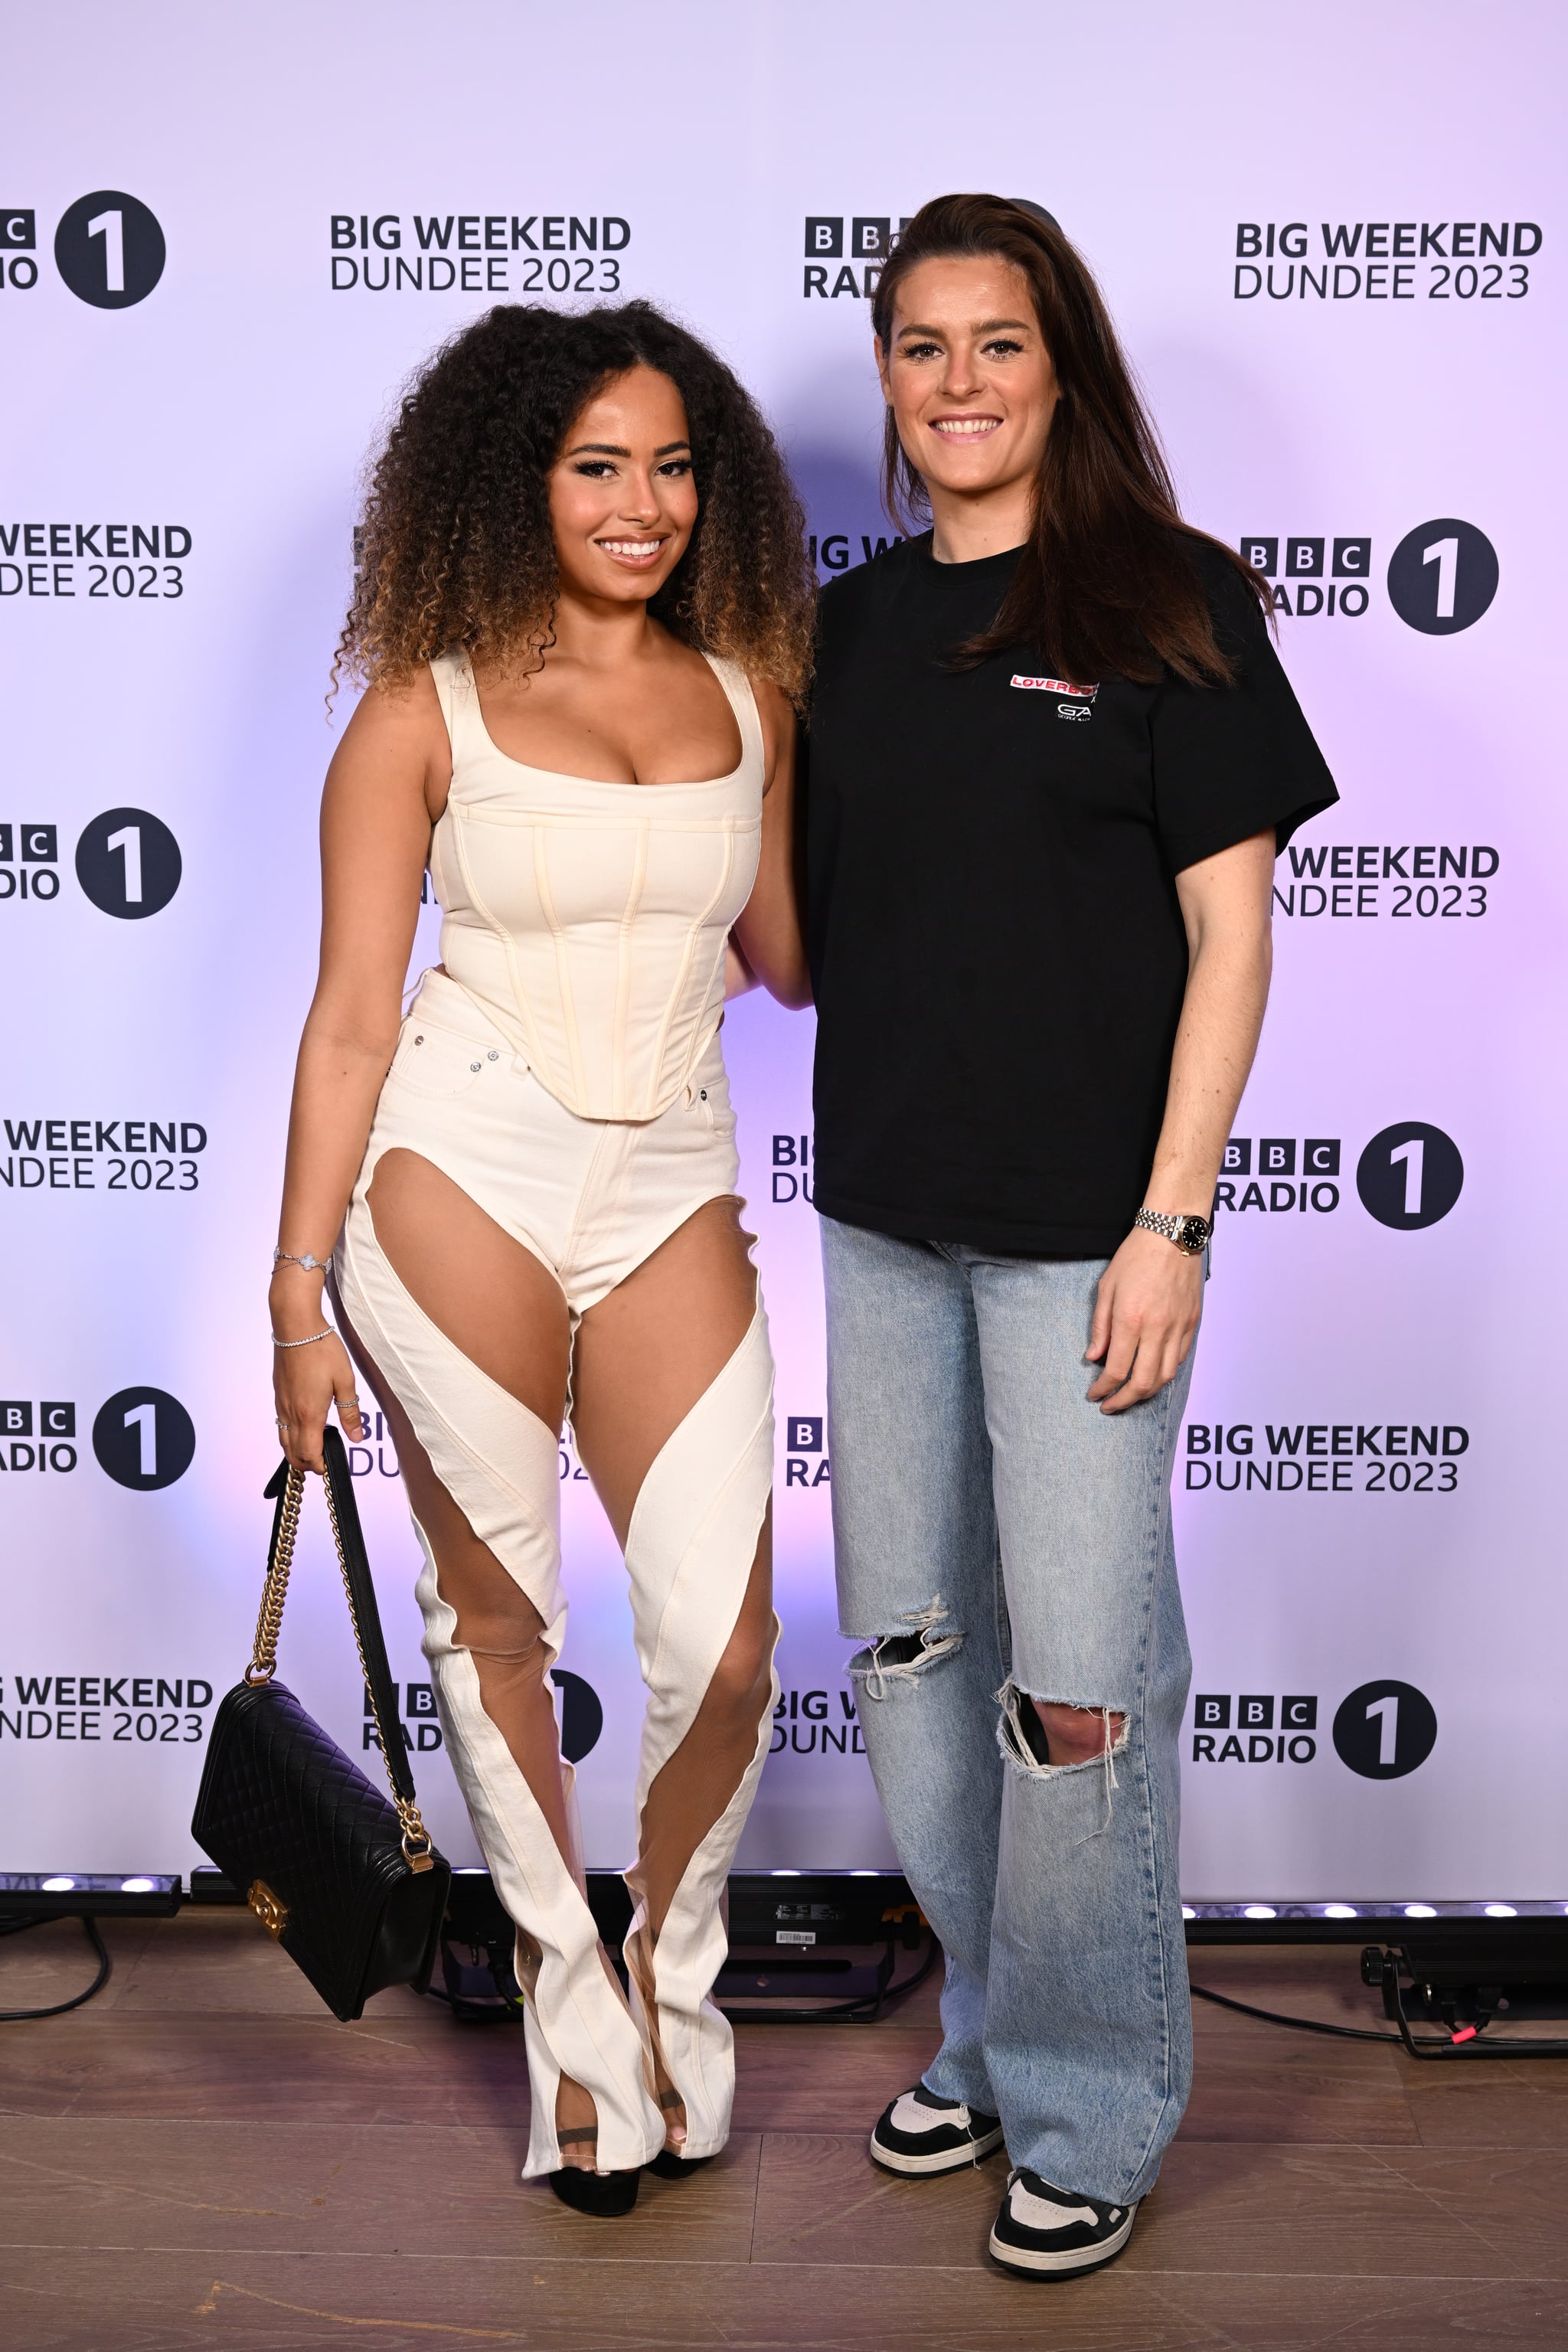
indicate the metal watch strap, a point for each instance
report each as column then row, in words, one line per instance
column 1154, row 1221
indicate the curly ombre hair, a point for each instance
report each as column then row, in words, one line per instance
column 455, row 548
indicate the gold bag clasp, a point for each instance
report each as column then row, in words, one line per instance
column 272, row 1913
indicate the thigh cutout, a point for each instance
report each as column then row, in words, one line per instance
column 473, row 1344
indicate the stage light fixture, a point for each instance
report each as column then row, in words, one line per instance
column 1284, row 1922
column 826, row 1945
column 88, row 1895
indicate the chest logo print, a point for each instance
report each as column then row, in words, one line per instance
column 1081, row 704
column 1055, row 686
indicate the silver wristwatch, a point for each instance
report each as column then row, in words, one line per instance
column 1189, row 1234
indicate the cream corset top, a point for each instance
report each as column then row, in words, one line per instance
column 589, row 919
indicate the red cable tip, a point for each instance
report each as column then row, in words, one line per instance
column 1462, row 2034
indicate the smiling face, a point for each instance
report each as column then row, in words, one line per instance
column 623, row 502
column 969, row 379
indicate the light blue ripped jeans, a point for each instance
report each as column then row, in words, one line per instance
column 998, row 1534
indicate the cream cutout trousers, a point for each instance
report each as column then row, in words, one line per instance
column 592, row 1199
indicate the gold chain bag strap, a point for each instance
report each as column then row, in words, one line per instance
column 348, row 1882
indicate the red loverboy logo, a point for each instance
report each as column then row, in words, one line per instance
column 1057, row 686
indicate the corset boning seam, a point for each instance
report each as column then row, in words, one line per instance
column 563, row 961
column 693, row 932
column 624, row 977
column 539, row 1059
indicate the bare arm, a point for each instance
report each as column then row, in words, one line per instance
column 768, row 935
column 1149, row 1294
column 390, row 773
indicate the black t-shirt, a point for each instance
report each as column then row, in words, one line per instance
column 996, row 946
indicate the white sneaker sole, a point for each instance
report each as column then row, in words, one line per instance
column 951, row 2159
column 1082, row 2258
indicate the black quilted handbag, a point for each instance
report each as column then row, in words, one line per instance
column 348, row 1883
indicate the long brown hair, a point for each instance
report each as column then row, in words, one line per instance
column 455, row 546
column 1105, row 585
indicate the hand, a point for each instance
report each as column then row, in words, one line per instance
column 306, row 1383
column 1145, row 1318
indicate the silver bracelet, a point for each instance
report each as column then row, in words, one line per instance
column 310, row 1342
column 310, row 1264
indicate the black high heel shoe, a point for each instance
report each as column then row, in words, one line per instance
column 668, row 2166
column 607, row 2194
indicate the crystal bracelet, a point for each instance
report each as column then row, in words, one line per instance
column 308, row 1264
column 310, row 1342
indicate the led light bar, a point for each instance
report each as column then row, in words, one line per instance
column 77, row 1893
column 1384, row 1916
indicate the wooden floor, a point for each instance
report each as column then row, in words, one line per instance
column 203, row 2158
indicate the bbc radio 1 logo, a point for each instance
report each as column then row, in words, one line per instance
column 579, row 1709
column 806, row 1461
column 127, row 862
column 108, row 250
column 1441, row 577
column 847, row 249
column 1313, row 576
column 141, row 1438
column 1408, row 1177
column 1383, row 1730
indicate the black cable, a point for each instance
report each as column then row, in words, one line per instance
column 1302, row 2024
column 1418, row 2045
column 1427, row 2046
column 105, row 1965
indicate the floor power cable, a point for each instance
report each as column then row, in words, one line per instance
column 1415, row 2046
column 58, row 2007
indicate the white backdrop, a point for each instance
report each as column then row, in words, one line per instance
column 1330, row 244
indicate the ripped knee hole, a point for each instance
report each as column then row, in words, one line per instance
column 1035, row 1731
column 923, row 1637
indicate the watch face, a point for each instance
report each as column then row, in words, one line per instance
column 1193, row 1234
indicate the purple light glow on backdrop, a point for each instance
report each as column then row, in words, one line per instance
column 1365, row 1515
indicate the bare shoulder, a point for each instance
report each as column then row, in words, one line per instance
column 776, row 713
column 396, row 737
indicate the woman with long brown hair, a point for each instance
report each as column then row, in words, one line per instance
column 1052, row 756
column 582, row 615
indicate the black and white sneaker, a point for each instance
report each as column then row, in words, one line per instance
column 921, row 2132
column 1043, row 2232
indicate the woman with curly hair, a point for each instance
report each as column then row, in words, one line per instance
column 582, row 613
